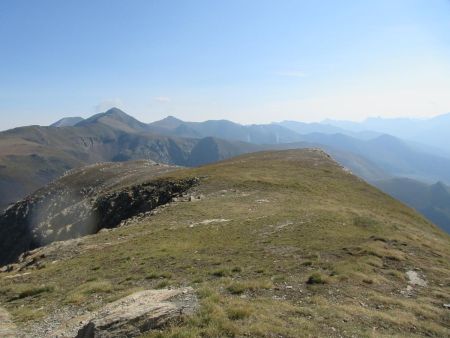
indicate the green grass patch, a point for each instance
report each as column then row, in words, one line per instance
column 82, row 293
column 239, row 287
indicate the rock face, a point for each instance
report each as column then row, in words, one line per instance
column 139, row 313
column 84, row 202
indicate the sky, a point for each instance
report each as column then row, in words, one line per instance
column 250, row 61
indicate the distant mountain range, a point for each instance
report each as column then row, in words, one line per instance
column 323, row 128
column 224, row 129
column 433, row 132
column 32, row 156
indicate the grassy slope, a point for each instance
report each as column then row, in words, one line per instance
column 291, row 215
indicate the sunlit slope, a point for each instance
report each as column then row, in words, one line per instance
column 275, row 244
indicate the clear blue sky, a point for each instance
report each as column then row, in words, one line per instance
column 244, row 60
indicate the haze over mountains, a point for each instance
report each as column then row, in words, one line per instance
column 32, row 156
column 432, row 132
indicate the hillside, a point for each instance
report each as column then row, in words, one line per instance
column 273, row 244
column 431, row 200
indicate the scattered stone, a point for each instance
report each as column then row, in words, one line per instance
column 17, row 276
column 408, row 292
column 209, row 221
column 284, row 225
column 447, row 306
column 262, row 201
column 414, row 279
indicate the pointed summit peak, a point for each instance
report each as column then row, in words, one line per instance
column 117, row 119
column 115, row 112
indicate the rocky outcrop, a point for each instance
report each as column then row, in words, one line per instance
column 118, row 206
column 84, row 202
column 139, row 313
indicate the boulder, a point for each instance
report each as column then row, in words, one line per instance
column 138, row 313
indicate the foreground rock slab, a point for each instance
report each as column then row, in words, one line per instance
column 138, row 313
column 7, row 327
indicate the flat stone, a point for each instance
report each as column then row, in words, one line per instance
column 414, row 279
column 139, row 313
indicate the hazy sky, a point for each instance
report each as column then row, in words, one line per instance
column 244, row 60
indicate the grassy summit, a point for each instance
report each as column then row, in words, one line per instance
column 277, row 244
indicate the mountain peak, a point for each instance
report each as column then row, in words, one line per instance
column 117, row 119
column 115, row 111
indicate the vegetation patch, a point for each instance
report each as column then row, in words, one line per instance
column 82, row 293
column 239, row 287
column 221, row 272
column 30, row 291
column 238, row 312
column 157, row 275
column 162, row 284
column 365, row 221
column 26, row 314
column 317, row 278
